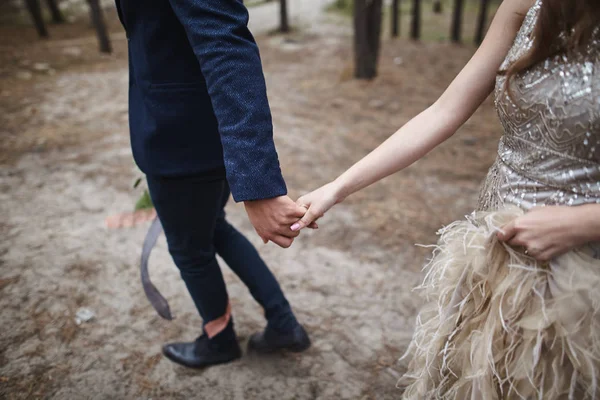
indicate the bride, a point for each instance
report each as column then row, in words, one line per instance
column 512, row 293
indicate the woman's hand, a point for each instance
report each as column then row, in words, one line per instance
column 548, row 232
column 317, row 204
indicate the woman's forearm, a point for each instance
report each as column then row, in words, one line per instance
column 436, row 124
column 433, row 126
column 411, row 142
column 588, row 217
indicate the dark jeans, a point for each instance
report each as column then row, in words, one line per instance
column 192, row 213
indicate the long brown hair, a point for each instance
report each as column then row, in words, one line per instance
column 575, row 19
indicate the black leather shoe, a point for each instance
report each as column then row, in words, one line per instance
column 269, row 341
column 202, row 353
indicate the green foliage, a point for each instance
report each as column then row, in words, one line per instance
column 144, row 202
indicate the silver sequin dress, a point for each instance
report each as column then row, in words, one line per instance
column 496, row 324
column 550, row 151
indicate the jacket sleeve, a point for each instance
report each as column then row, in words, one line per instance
column 230, row 62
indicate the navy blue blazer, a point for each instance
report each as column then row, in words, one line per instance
column 197, row 95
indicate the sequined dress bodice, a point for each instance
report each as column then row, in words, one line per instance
column 550, row 151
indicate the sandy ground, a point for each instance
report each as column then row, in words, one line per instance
column 66, row 165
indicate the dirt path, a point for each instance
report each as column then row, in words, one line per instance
column 306, row 14
column 350, row 282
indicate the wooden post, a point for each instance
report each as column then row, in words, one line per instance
column 455, row 33
column 283, row 14
column 33, row 6
column 415, row 31
column 100, row 26
column 57, row 16
column 395, row 18
column 481, row 21
column 367, row 35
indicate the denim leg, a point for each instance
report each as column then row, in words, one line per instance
column 246, row 263
column 188, row 209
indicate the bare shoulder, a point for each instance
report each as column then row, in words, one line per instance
column 511, row 13
column 518, row 8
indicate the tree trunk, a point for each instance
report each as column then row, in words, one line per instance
column 415, row 30
column 395, row 18
column 100, row 26
column 481, row 21
column 57, row 16
column 33, row 6
column 283, row 15
column 437, row 6
column 455, row 33
column 367, row 34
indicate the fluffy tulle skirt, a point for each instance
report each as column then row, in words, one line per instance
column 498, row 325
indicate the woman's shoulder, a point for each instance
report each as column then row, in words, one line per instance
column 520, row 8
column 512, row 13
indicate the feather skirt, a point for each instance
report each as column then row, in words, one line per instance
column 499, row 325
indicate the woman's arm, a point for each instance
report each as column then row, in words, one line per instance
column 548, row 232
column 434, row 125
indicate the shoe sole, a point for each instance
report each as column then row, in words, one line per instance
column 296, row 348
column 179, row 362
column 300, row 348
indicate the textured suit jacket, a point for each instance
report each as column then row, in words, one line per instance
column 197, row 95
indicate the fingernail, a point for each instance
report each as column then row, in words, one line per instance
column 296, row 226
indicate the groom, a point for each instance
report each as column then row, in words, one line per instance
column 201, row 126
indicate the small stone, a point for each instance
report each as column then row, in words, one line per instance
column 84, row 315
column 398, row 61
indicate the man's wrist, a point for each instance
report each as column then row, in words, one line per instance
column 255, row 201
column 263, row 191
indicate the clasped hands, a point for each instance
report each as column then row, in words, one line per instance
column 280, row 219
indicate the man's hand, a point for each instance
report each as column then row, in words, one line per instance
column 272, row 219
